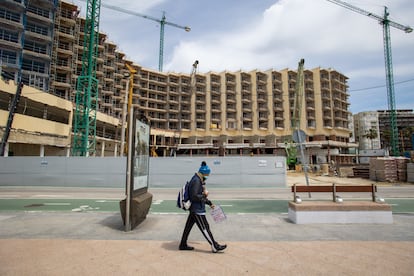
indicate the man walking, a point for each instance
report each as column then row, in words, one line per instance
column 198, row 196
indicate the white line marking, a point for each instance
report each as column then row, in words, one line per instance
column 51, row 196
column 167, row 213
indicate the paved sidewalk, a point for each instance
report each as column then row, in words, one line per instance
column 95, row 243
column 91, row 243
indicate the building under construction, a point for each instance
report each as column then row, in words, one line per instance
column 214, row 113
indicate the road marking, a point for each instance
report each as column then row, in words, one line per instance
column 167, row 213
column 56, row 204
column 51, row 196
column 84, row 208
column 106, row 201
column 157, row 202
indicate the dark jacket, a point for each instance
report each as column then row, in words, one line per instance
column 198, row 199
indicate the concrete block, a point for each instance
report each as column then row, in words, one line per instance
column 140, row 205
column 345, row 212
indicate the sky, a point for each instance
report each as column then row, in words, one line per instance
column 230, row 35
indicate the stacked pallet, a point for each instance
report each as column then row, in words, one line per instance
column 390, row 169
column 361, row 171
column 402, row 168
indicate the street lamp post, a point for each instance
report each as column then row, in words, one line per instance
column 130, row 107
column 124, row 114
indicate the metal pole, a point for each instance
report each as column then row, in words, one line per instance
column 124, row 114
column 304, row 163
column 129, row 160
column 129, row 171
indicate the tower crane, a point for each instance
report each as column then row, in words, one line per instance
column 291, row 146
column 161, row 21
column 386, row 23
column 298, row 135
column 84, row 132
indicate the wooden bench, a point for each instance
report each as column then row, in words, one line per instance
column 336, row 211
column 334, row 189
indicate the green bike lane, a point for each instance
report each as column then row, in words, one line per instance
column 399, row 205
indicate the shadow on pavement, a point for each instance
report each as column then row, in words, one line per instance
column 114, row 222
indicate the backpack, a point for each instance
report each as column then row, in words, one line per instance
column 183, row 199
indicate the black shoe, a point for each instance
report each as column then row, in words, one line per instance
column 186, row 247
column 217, row 247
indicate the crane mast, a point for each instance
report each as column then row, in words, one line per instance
column 386, row 23
column 193, row 82
column 297, row 104
column 291, row 146
column 84, row 133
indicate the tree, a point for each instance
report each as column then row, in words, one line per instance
column 386, row 138
column 371, row 134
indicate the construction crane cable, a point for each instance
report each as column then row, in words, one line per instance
column 379, row 86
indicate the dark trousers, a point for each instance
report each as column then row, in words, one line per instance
column 202, row 224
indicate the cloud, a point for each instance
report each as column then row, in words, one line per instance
column 288, row 30
column 269, row 34
column 322, row 33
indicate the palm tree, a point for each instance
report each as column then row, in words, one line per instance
column 371, row 134
column 386, row 138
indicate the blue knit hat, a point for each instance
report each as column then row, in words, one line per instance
column 204, row 169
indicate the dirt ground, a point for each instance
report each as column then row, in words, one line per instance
column 294, row 177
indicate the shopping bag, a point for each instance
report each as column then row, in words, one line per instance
column 218, row 214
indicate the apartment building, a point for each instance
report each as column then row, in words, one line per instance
column 26, row 41
column 45, row 40
column 367, row 131
column 41, row 125
column 213, row 113
column 219, row 113
column 379, row 122
column 405, row 125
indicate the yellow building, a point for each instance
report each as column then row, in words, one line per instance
column 41, row 125
column 243, row 112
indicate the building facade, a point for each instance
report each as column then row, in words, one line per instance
column 365, row 123
column 367, row 132
column 405, row 125
column 213, row 113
